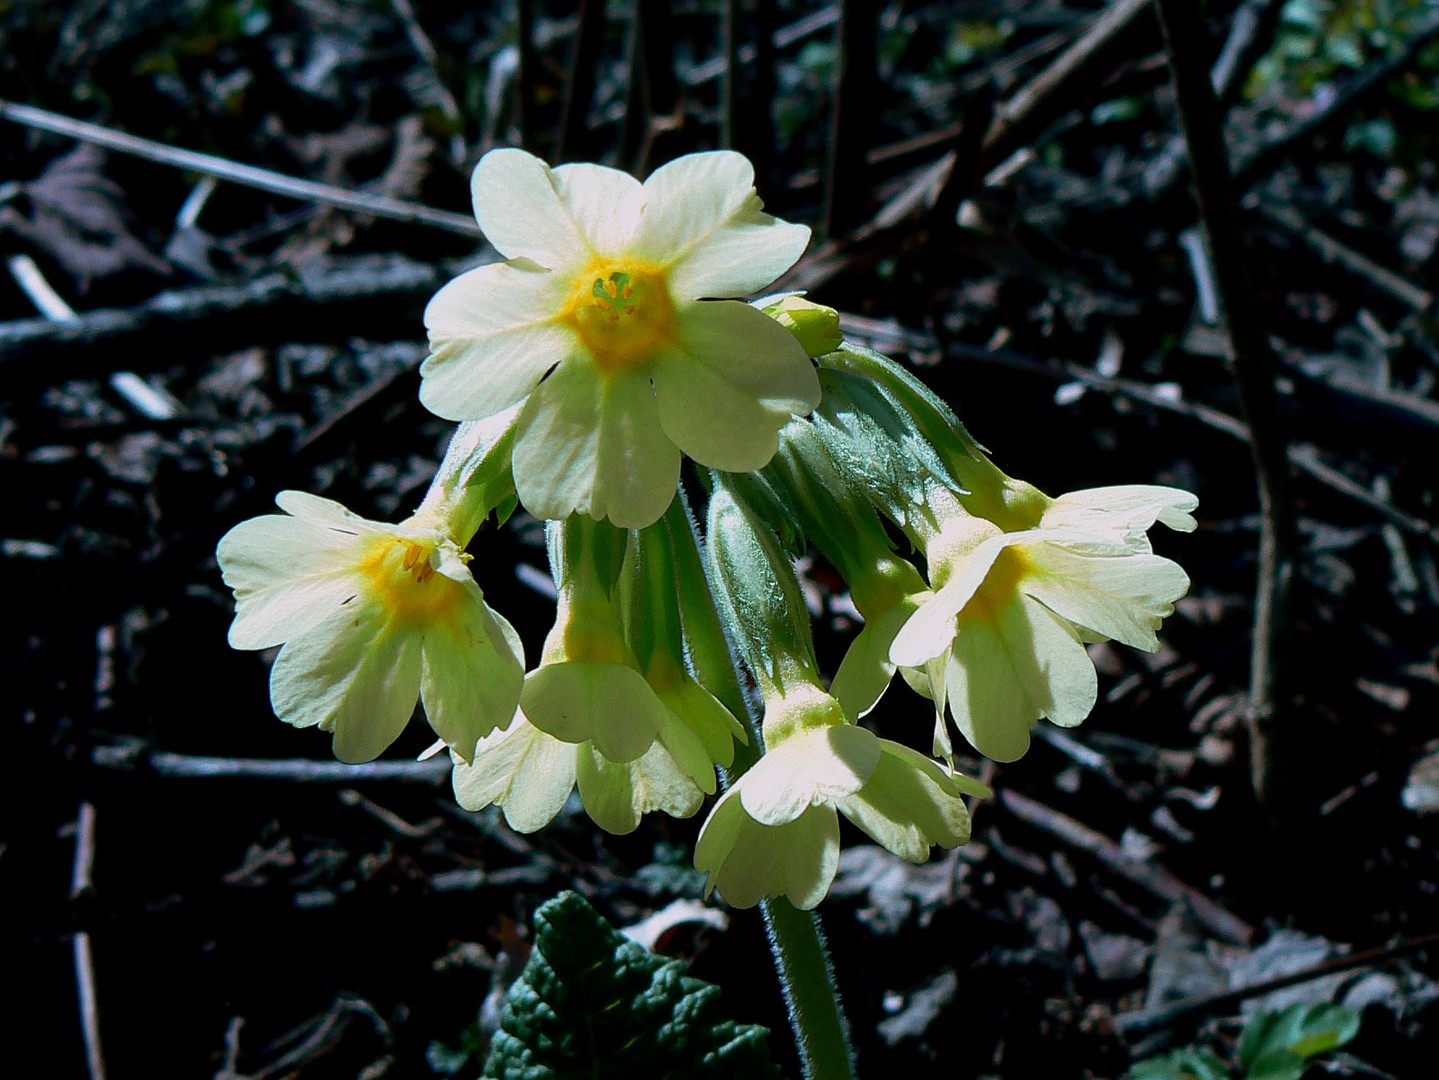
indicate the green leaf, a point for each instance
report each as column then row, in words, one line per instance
column 1187, row 1064
column 590, row 1003
column 1276, row 1045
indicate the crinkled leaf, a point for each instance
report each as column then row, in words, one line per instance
column 592, row 1003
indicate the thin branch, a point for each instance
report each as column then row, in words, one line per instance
column 249, row 175
column 80, row 883
column 185, row 766
column 1270, row 702
column 1146, row 1020
column 360, row 296
column 1304, row 458
column 1020, row 119
column 1335, row 253
column 1148, row 875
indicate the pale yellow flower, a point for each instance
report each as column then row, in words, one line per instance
column 371, row 616
column 1002, row 638
column 609, row 316
column 775, row 832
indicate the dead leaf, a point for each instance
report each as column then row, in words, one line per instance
column 76, row 216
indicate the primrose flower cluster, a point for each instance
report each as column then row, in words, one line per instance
column 609, row 344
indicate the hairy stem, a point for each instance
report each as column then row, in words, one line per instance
column 796, row 942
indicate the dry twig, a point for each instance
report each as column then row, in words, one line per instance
column 1148, row 875
column 249, row 175
column 1270, row 704
column 80, row 883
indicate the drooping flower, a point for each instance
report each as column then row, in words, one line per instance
column 529, row 774
column 371, row 617
column 609, row 315
column 1001, row 640
column 775, row 832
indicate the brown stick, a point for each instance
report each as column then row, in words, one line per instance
column 1049, row 95
column 263, row 179
column 1270, row 704
column 1149, row 876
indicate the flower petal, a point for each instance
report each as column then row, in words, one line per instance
column 808, row 769
column 604, row 203
column 609, row 704
column 703, row 218
column 521, row 211
column 521, row 769
column 930, row 630
column 591, row 444
column 733, row 380
column 866, row 670
column 749, row 861
column 992, row 703
column 493, row 335
column 353, row 674
column 710, row 722
column 1051, row 659
column 326, row 512
column 910, row 804
column 288, row 574
column 472, row 675
column 616, row 795
column 1131, row 508
column 1124, row 597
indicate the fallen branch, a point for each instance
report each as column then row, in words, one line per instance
column 1021, row 118
column 80, row 883
column 1303, row 457
column 359, row 295
column 275, row 183
column 1148, row 875
column 1143, row 1021
column 1334, row 253
column 163, row 763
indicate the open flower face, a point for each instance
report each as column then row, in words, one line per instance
column 371, row 617
column 609, row 315
column 1002, row 638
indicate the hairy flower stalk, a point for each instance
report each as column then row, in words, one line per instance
column 608, row 320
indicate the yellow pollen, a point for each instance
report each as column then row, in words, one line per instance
column 623, row 314
column 401, row 576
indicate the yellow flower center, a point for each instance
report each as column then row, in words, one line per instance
column 401, row 576
column 1001, row 585
column 622, row 314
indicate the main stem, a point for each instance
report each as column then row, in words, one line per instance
column 796, row 941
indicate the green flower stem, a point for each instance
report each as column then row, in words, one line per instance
column 801, row 958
